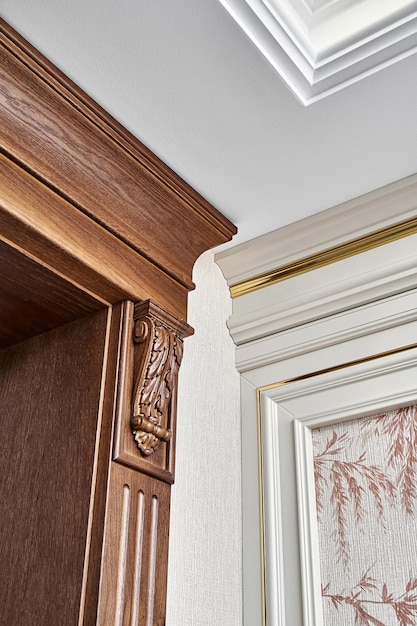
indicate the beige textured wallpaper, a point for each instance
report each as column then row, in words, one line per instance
column 205, row 570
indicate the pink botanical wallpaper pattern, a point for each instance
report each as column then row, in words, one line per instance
column 366, row 494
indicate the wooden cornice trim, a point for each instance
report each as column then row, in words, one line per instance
column 42, row 225
column 67, row 89
column 114, row 179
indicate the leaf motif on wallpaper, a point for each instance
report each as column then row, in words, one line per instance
column 348, row 481
column 400, row 426
column 366, row 596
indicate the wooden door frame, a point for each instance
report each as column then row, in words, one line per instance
column 95, row 211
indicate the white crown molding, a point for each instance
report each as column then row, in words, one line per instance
column 349, row 283
column 341, row 224
column 374, row 320
column 319, row 47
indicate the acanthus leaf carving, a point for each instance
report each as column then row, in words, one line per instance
column 159, row 336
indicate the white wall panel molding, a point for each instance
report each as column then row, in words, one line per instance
column 385, row 322
column 310, row 395
column 288, row 414
column 344, row 285
column 356, row 219
column 336, row 342
column 320, row 47
column 251, row 528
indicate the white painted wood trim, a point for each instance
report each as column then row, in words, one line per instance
column 273, row 515
column 345, row 222
column 296, row 409
column 283, row 596
column 340, row 313
column 251, row 495
column 350, row 283
column 384, row 322
column 310, row 555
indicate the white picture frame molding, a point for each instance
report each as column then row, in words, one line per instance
column 352, row 322
column 288, row 413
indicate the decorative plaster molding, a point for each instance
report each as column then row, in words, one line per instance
column 327, row 257
column 319, row 47
column 352, row 282
column 306, row 354
column 314, row 326
column 357, row 219
column 389, row 314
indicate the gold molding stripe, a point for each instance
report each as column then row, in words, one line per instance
column 281, row 383
column 261, row 505
column 326, row 257
column 336, row 368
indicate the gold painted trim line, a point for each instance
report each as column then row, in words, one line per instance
column 281, row 383
column 336, row 368
column 261, row 504
column 326, row 257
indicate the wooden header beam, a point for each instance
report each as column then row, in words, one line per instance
column 63, row 152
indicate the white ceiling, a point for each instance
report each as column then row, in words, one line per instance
column 187, row 81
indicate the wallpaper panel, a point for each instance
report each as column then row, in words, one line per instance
column 205, row 560
column 365, row 476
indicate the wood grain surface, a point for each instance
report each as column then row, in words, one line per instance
column 39, row 222
column 135, row 552
column 161, row 464
column 64, row 139
column 34, row 299
column 49, row 399
column 91, row 222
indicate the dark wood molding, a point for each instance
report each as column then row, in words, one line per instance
column 33, row 299
column 133, row 588
column 145, row 158
column 41, row 224
column 66, row 142
column 98, row 239
column 147, row 399
column 158, row 339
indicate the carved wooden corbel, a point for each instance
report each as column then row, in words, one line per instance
column 159, row 336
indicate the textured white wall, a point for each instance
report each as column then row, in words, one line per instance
column 205, row 570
